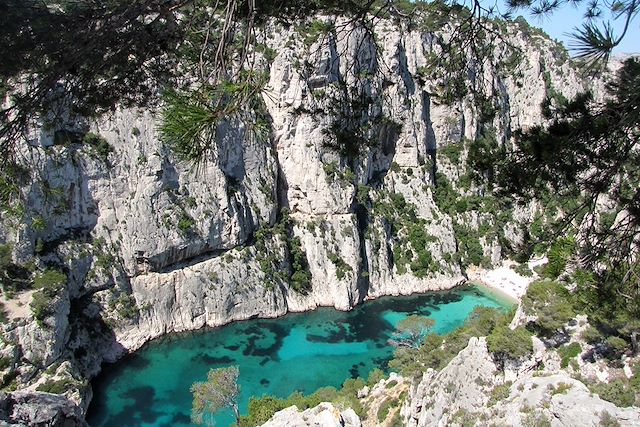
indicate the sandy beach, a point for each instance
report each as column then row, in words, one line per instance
column 504, row 279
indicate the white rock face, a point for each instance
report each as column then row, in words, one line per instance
column 462, row 384
column 323, row 415
column 464, row 388
column 575, row 407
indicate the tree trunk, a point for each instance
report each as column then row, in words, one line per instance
column 236, row 412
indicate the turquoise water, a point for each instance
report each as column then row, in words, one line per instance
column 303, row 352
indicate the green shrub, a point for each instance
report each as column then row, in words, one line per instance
column 568, row 352
column 482, row 154
column 346, row 177
column 469, row 247
column 562, row 388
column 617, row 345
column 57, row 387
column 396, row 421
column 40, row 306
column 272, row 243
column 510, row 344
column 461, row 205
column 452, row 152
column 126, row 306
column 260, row 410
column 558, row 255
column 634, row 381
column 385, row 407
column 50, row 283
column 104, row 149
column 100, row 145
column 444, row 195
column 342, row 268
column 607, row 420
column 15, row 277
column 190, row 202
column 331, row 170
column 523, row 270
column 422, row 264
column 5, row 362
column 268, row 53
column 464, row 418
column 38, row 223
column 362, row 195
column 185, row 223
column 437, row 351
column 92, row 138
column 12, row 177
column 591, row 335
column 499, row 392
column 104, row 260
column 374, row 377
column 615, row 392
column 536, row 419
column 551, row 302
column 483, row 320
column 301, row 275
column 350, row 386
column 311, row 33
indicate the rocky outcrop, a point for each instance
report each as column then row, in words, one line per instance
column 461, row 385
column 325, row 415
column 471, row 390
column 39, row 409
column 561, row 400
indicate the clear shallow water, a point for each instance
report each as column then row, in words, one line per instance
column 302, row 351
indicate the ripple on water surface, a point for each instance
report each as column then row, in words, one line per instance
column 303, row 351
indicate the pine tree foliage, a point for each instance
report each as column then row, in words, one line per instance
column 411, row 331
column 595, row 39
column 590, row 154
column 89, row 56
column 221, row 390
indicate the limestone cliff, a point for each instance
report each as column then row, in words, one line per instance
column 473, row 391
column 151, row 244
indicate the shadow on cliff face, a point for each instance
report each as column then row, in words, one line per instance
column 430, row 136
column 95, row 351
column 92, row 340
column 91, row 343
column 388, row 136
column 62, row 197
